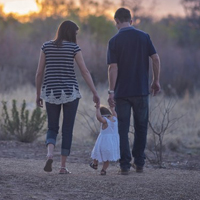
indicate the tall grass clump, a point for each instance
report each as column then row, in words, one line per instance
column 20, row 125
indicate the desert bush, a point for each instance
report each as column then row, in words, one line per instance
column 4, row 136
column 160, row 123
column 19, row 124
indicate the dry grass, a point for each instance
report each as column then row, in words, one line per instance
column 185, row 131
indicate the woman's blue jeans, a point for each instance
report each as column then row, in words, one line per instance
column 69, row 114
column 140, row 107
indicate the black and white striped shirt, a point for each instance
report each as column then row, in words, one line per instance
column 60, row 84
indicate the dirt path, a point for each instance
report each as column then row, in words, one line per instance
column 23, row 178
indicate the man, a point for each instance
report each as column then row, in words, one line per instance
column 128, row 59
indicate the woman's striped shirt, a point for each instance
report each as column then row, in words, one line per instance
column 60, row 84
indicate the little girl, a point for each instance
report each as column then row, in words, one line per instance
column 107, row 144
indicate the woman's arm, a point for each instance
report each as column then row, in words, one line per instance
column 87, row 77
column 39, row 78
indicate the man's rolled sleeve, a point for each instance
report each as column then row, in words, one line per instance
column 111, row 54
column 152, row 49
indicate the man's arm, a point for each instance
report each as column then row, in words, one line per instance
column 112, row 78
column 155, row 85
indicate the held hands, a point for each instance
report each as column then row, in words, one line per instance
column 155, row 88
column 96, row 100
column 111, row 100
column 97, row 106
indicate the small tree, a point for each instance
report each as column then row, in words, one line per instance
column 160, row 122
column 19, row 125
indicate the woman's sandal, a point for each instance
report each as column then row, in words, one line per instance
column 64, row 170
column 94, row 166
column 103, row 172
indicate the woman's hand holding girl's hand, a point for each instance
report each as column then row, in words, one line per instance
column 96, row 99
column 97, row 106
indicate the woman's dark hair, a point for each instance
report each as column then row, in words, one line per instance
column 104, row 111
column 123, row 15
column 66, row 31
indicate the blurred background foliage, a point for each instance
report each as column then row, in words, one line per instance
column 175, row 38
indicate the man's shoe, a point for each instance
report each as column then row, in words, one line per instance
column 138, row 169
column 124, row 171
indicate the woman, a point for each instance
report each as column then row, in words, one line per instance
column 60, row 88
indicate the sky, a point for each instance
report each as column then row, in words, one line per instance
column 19, row 6
column 162, row 8
column 166, row 7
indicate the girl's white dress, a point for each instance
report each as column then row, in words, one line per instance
column 106, row 147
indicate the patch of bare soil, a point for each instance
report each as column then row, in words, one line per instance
column 22, row 176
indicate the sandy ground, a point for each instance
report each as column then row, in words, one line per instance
column 22, row 177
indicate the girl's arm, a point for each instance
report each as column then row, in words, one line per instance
column 113, row 111
column 87, row 77
column 39, row 78
column 99, row 117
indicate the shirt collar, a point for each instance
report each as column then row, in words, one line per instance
column 126, row 28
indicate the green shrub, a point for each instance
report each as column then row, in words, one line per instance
column 19, row 124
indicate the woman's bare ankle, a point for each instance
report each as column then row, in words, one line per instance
column 49, row 156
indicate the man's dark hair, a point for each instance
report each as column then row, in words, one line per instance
column 123, row 15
